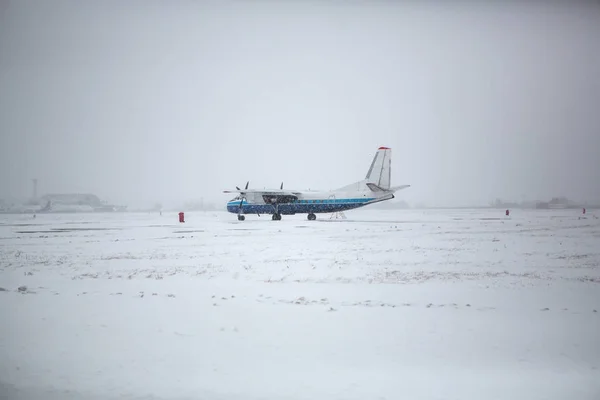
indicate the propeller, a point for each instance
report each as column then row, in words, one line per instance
column 246, row 188
column 242, row 198
column 241, row 202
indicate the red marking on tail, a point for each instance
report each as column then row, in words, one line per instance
column 384, row 148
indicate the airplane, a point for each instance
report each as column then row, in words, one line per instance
column 277, row 202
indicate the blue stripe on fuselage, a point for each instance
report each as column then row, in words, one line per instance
column 300, row 206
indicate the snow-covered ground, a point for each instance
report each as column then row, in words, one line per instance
column 436, row 304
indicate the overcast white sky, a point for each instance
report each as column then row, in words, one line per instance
column 146, row 101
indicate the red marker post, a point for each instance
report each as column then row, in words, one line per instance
column 181, row 217
column 507, row 213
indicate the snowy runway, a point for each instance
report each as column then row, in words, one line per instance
column 452, row 304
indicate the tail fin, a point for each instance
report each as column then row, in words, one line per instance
column 380, row 172
column 378, row 177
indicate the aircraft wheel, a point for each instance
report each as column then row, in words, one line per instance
column 241, row 217
column 276, row 217
column 311, row 217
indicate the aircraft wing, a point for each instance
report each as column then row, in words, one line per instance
column 274, row 192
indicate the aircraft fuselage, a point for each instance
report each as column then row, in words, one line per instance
column 304, row 206
column 375, row 187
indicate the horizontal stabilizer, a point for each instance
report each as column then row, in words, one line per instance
column 375, row 188
column 396, row 188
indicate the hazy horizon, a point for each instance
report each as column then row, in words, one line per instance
column 145, row 102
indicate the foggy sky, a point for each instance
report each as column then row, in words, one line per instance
column 167, row 101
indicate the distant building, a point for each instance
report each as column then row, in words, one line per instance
column 74, row 199
column 73, row 202
column 556, row 203
column 499, row 203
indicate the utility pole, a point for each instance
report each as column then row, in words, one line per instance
column 35, row 183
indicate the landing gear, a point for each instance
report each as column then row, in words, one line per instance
column 276, row 217
column 311, row 217
column 241, row 217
